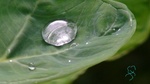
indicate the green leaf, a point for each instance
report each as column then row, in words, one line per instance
column 104, row 26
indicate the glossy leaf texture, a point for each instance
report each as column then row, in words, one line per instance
column 104, row 26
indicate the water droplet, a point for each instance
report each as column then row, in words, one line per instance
column 73, row 45
column 115, row 29
column 59, row 32
column 10, row 60
column 31, row 67
column 69, row 61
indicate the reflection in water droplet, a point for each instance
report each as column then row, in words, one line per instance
column 73, row 45
column 117, row 33
column 31, row 67
column 114, row 29
column 59, row 32
column 119, row 29
column 131, row 22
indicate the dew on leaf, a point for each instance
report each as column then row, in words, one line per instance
column 69, row 61
column 59, row 32
column 31, row 67
column 10, row 60
column 112, row 30
column 115, row 29
column 73, row 45
column 87, row 43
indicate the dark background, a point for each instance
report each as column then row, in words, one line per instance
column 114, row 72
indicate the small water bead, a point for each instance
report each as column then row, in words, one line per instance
column 59, row 32
column 31, row 67
column 115, row 29
column 87, row 43
column 112, row 30
column 69, row 61
column 73, row 45
column 10, row 60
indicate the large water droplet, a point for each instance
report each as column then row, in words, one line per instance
column 31, row 67
column 59, row 32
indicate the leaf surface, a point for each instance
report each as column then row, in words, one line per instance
column 104, row 26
